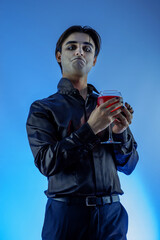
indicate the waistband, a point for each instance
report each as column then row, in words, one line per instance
column 89, row 200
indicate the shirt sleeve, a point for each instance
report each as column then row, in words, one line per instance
column 125, row 153
column 51, row 154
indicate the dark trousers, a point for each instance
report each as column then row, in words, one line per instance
column 76, row 222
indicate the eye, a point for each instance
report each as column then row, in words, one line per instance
column 71, row 47
column 87, row 49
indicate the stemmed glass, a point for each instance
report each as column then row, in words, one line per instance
column 103, row 97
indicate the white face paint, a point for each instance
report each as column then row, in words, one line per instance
column 78, row 54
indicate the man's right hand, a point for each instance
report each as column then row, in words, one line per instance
column 102, row 116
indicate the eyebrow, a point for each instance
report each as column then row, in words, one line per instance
column 86, row 43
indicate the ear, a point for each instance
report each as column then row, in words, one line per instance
column 58, row 57
column 94, row 61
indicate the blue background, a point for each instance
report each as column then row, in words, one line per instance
column 129, row 61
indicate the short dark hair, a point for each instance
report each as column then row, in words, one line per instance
column 77, row 28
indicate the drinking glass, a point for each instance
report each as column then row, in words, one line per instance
column 103, row 97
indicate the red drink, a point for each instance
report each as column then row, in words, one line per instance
column 103, row 99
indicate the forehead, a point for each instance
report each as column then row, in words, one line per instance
column 79, row 38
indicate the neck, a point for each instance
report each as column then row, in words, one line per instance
column 79, row 83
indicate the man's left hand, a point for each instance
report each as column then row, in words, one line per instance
column 123, row 120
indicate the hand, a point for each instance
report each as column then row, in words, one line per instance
column 103, row 116
column 124, row 119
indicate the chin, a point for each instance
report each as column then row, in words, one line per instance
column 80, row 73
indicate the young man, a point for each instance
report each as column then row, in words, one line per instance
column 65, row 132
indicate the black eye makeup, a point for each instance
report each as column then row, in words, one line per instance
column 87, row 46
column 74, row 47
column 87, row 49
column 71, row 47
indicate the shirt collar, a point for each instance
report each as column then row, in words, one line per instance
column 65, row 86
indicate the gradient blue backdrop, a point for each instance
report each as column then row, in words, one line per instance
column 129, row 61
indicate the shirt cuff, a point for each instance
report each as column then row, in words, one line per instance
column 87, row 136
column 126, row 142
column 121, row 137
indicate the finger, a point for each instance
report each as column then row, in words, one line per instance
column 110, row 101
column 129, row 108
column 124, row 120
column 115, row 113
column 114, row 107
column 126, row 114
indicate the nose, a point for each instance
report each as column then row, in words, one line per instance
column 79, row 51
